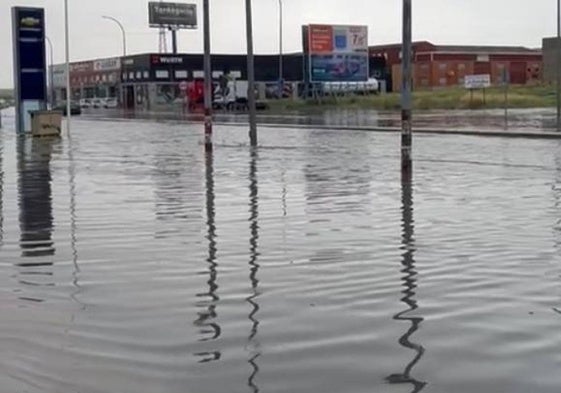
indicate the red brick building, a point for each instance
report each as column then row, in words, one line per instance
column 437, row 66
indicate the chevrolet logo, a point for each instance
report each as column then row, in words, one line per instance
column 30, row 22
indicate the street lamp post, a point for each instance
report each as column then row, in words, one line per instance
column 558, row 65
column 406, row 95
column 281, row 84
column 208, row 76
column 250, row 75
column 51, row 71
column 122, row 31
column 67, row 55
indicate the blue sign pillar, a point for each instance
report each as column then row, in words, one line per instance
column 30, row 64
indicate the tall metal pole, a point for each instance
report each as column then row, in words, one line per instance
column 558, row 65
column 174, row 40
column 208, row 76
column 250, row 76
column 406, row 95
column 281, row 84
column 51, row 71
column 67, row 55
column 122, row 31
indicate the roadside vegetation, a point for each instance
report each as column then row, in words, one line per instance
column 452, row 98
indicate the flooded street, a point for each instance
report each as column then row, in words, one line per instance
column 534, row 120
column 133, row 262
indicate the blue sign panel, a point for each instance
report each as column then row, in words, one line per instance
column 30, row 69
column 339, row 67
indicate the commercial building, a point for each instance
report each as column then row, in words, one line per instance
column 150, row 80
column 88, row 79
column 550, row 50
column 438, row 66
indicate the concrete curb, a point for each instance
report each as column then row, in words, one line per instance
column 481, row 133
column 418, row 131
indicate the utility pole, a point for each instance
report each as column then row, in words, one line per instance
column 558, row 64
column 281, row 76
column 250, row 75
column 406, row 95
column 174, row 40
column 67, row 55
column 208, row 76
column 51, row 73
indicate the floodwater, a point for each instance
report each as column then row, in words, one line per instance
column 535, row 120
column 133, row 262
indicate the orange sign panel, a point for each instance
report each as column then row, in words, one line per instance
column 321, row 39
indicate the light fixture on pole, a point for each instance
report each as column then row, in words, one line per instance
column 122, row 31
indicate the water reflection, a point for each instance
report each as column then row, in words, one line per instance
column 253, row 344
column 35, row 198
column 206, row 321
column 409, row 283
column 1, row 194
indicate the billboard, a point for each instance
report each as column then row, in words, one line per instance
column 30, row 68
column 173, row 15
column 337, row 53
column 346, row 67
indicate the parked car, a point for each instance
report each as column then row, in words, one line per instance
column 110, row 103
column 74, row 108
column 97, row 102
column 85, row 103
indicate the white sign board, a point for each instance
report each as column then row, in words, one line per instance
column 113, row 64
column 477, row 81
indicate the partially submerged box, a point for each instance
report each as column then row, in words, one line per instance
column 46, row 123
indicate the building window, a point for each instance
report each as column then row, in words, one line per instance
column 138, row 75
column 104, row 78
column 461, row 67
column 461, row 81
column 124, row 76
column 162, row 74
column 442, row 66
column 442, row 81
column 146, row 75
column 198, row 74
column 181, row 74
column 131, row 76
column 483, row 58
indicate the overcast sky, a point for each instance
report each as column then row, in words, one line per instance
column 505, row 22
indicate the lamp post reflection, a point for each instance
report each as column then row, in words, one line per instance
column 210, row 329
column 409, row 282
column 253, row 344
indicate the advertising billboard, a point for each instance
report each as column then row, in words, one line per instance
column 30, row 68
column 338, row 53
column 173, row 15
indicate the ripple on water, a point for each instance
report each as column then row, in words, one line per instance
column 130, row 261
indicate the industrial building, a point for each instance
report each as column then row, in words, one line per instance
column 438, row 66
column 550, row 52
